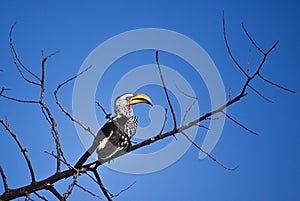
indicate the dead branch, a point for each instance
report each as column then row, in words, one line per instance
column 260, row 94
column 229, row 49
column 188, row 110
column 275, row 84
column 107, row 115
column 22, row 148
column 206, row 153
column 41, row 83
column 39, row 196
column 239, row 124
column 48, row 114
column 86, row 128
column 202, row 126
column 5, row 184
column 102, row 187
column 71, row 186
column 16, row 99
column 88, row 191
column 123, row 190
column 55, row 192
column 18, row 62
column 165, row 121
column 165, row 90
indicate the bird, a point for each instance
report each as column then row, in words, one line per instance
column 119, row 129
column 116, row 133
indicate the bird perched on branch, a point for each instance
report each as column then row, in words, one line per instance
column 118, row 131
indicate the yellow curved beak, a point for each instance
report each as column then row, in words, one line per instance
column 140, row 98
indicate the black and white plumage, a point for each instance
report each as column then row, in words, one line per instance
column 118, row 131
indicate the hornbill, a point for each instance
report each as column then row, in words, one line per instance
column 118, row 131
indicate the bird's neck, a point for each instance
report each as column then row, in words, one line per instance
column 127, row 124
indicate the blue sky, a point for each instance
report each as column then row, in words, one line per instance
column 269, row 165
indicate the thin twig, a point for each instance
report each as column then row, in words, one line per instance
column 239, row 124
column 275, row 84
column 55, row 133
column 48, row 113
column 2, row 90
column 88, row 191
column 251, row 39
column 206, row 153
column 71, row 186
column 188, row 110
column 86, row 128
column 260, row 94
column 184, row 93
column 107, row 115
column 39, row 196
column 123, row 190
column 228, row 47
column 254, row 75
column 195, row 99
column 5, row 184
column 63, row 161
column 22, row 148
column 165, row 90
column 17, row 100
column 102, row 187
column 202, row 126
column 165, row 121
column 17, row 61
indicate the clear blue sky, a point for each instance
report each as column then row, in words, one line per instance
column 269, row 164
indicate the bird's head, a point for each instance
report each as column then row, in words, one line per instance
column 123, row 104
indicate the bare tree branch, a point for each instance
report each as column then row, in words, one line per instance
column 86, row 128
column 275, row 84
column 260, row 94
column 123, row 190
column 102, row 187
column 71, row 186
column 39, row 196
column 251, row 39
column 16, row 99
column 165, row 90
column 188, row 110
column 88, row 191
column 45, row 109
column 165, row 121
column 107, row 115
column 17, row 61
column 48, row 114
column 201, row 126
column 239, row 124
column 229, row 49
column 54, row 192
column 5, row 184
column 206, row 153
column 22, row 148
